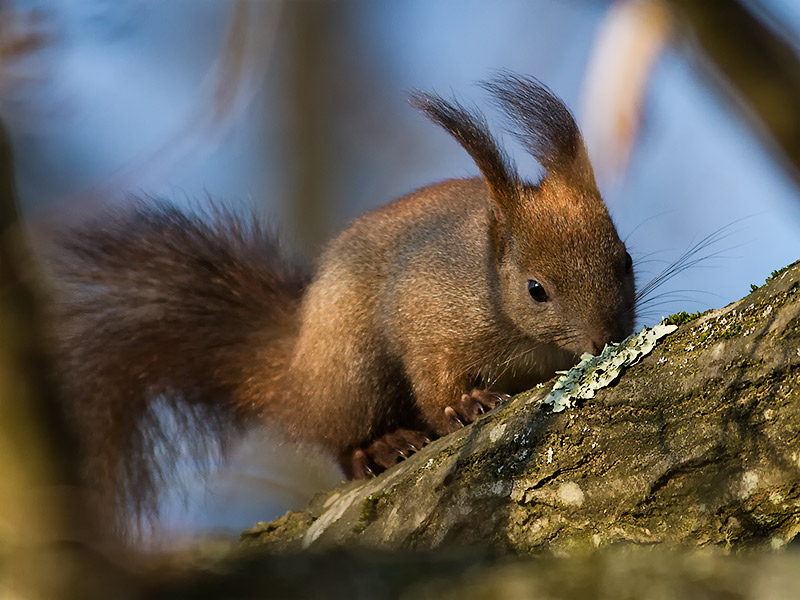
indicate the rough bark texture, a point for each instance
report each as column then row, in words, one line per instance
column 697, row 445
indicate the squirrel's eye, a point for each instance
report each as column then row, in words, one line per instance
column 628, row 263
column 536, row 290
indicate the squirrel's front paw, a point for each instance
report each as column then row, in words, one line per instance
column 471, row 406
column 385, row 452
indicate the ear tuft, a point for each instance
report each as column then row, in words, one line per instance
column 544, row 126
column 469, row 129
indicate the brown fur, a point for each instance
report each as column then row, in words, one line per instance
column 154, row 306
column 412, row 307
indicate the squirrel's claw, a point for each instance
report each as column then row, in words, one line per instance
column 359, row 467
column 384, row 453
column 453, row 418
column 471, row 406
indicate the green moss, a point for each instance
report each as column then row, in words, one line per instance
column 774, row 274
column 753, row 287
column 682, row 317
column 743, row 363
column 369, row 511
column 730, row 332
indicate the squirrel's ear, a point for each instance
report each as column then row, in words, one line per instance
column 544, row 126
column 469, row 129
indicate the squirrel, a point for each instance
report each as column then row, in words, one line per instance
column 421, row 316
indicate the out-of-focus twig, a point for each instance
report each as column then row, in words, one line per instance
column 20, row 35
column 311, row 56
column 756, row 64
column 628, row 43
column 228, row 89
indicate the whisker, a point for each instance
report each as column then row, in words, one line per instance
column 647, row 220
column 555, row 337
column 697, row 255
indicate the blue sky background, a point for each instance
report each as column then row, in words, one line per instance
column 118, row 77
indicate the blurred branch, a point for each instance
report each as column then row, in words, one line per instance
column 228, row 89
column 758, row 66
column 628, row 43
column 311, row 58
column 754, row 64
column 21, row 35
column 624, row 573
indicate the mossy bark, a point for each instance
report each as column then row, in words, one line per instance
column 697, row 445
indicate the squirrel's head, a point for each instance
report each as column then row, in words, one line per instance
column 564, row 275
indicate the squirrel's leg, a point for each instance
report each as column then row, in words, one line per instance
column 384, row 452
column 448, row 402
column 365, row 417
column 470, row 406
column 445, row 406
column 391, row 448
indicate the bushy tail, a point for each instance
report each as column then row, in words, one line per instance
column 157, row 309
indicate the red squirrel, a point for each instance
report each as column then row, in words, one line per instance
column 421, row 316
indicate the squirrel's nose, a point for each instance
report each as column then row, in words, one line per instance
column 597, row 346
column 599, row 338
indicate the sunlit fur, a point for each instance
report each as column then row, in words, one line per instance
column 411, row 306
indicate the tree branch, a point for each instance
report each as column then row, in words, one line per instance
column 697, row 445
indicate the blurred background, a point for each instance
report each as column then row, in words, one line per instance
column 298, row 108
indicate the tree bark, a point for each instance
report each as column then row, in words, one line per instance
column 696, row 445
